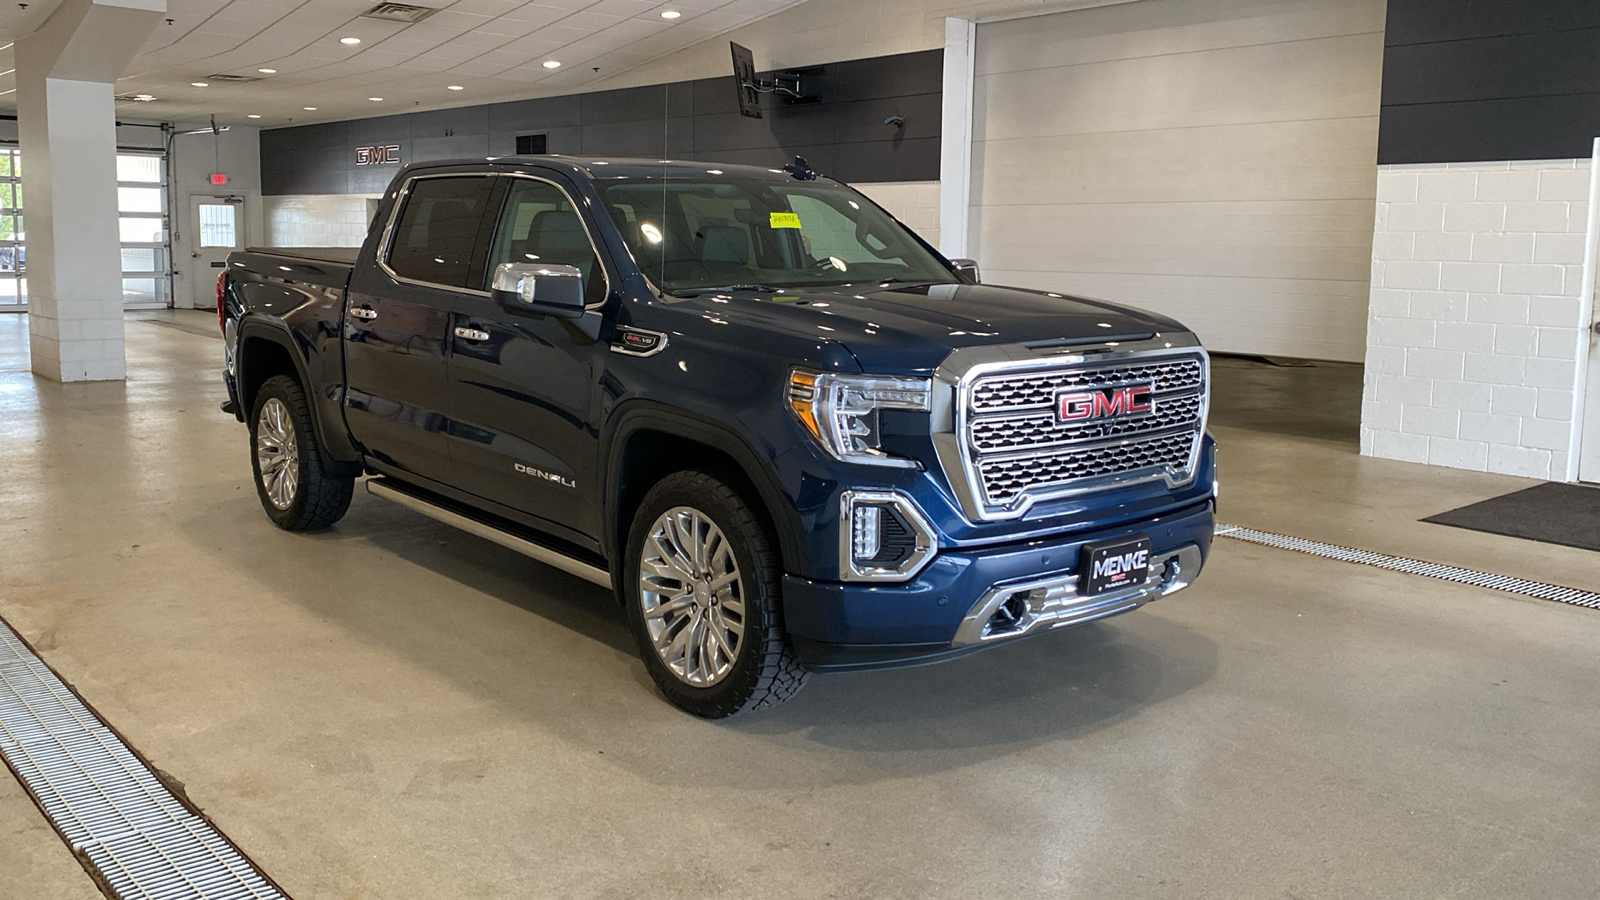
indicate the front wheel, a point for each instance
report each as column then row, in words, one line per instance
column 702, row 586
column 295, row 489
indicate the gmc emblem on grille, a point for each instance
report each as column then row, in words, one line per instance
column 1107, row 403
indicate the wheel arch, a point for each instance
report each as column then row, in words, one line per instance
column 265, row 349
column 648, row 441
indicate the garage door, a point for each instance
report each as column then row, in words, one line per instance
column 1214, row 160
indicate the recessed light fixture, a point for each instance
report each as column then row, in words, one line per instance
column 199, row 84
column 309, row 108
column 552, row 64
column 253, row 116
column 454, row 87
column 268, row 71
column 376, row 99
column 670, row 14
column 350, row 42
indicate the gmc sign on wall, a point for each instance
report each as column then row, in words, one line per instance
column 377, row 156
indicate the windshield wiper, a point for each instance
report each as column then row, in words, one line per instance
column 695, row 292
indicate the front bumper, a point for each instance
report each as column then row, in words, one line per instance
column 949, row 609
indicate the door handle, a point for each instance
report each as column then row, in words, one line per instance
column 472, row 334
column 364, row 312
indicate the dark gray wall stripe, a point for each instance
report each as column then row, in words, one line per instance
column 1490, row 80
column 842, row 136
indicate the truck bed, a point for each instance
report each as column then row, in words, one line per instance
column 341, row 255
column 320, row 266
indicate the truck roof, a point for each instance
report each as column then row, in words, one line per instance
column 606, row 167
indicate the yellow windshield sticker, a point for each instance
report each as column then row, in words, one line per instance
column 785, row 220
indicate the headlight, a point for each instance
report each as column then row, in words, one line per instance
column 841, row 412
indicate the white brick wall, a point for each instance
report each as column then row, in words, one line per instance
column 916, row 203
column 317, row 220
column 1472, row 332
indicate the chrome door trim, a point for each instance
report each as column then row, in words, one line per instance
column 386, row 246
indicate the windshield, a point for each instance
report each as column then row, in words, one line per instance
column 735, row 232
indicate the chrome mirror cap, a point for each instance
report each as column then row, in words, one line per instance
column 967, row 267
column 535, row 286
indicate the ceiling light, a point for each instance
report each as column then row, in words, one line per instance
column 349, row 42
column 268, row 71
column 552, row 64
column 670, row 14
column 253, row 116
column 309, row 108
column 144, row 98
column 376, row 99
column 454, row 87
column 199, row 84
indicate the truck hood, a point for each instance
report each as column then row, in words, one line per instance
column 910, row 329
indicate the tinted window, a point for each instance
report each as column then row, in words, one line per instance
column 538, row 225
column 689, row 234
column 438, row 231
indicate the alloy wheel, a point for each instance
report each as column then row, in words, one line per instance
column 277, row 453
column 692, row 596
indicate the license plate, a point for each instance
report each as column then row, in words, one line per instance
column 1113, row 565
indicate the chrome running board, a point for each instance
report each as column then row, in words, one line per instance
column 553, row 558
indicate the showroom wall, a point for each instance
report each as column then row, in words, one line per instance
column 842, row 134
column 1479, row 306
column 195, row 157
column 317, row 195
column 1209, row 159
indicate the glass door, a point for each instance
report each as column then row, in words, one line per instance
column 219, row 230
column 13, row 281
column 142, row 221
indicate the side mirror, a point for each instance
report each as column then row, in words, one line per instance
column 967, row 267
column 546, row 290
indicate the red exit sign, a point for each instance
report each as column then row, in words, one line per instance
column 377, row 156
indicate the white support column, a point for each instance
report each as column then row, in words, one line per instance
column 1583, row 462
column 67, row 122
column 955, row 145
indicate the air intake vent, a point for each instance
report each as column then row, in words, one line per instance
column 399, row 12
column 234, row 79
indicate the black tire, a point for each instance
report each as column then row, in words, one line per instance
column 764, row 670
column 316, row 499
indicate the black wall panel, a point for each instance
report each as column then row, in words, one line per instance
column 842, row 135
column 1475, row 80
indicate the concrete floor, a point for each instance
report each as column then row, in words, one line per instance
column 396, row 709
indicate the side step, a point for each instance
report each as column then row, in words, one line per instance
column 379, row 487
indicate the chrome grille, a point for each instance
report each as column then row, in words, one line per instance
column 1007, row 392
column 1043, row 429
column 1019, row 450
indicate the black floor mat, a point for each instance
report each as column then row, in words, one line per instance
column 1566, row 514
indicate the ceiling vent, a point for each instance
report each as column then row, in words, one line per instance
column 399, row 12
column 233, row 79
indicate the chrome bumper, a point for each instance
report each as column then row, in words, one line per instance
column 1021, row 608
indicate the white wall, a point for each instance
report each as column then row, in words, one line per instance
column 236, row 153
column 1475, row 331
column 915, row 203
column 341, row 220
column 318, row 220
column 1214, row 160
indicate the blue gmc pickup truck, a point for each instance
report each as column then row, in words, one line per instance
column 783, row 429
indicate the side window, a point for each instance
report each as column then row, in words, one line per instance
column 438, row 230
column 538, row 224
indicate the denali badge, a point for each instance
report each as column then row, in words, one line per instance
column 1107, row 403
column 547, row 476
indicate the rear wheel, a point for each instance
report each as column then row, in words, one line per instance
column 702, row 586
column 295, row 490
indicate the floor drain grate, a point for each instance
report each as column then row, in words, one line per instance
column 1522, row 586
column 107, row 804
